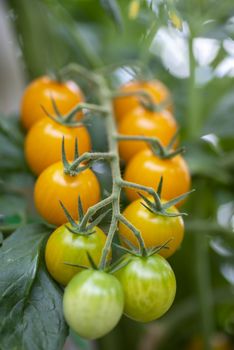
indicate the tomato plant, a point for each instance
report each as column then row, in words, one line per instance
column 93, row 303
column 51, row 36
column 143, row 122
column 53, row 185
column 41, row 91
column 149, row 287
column 157, row 91
column 155, row 229
column 65, row 247
column 175, row 172
column 46, row 135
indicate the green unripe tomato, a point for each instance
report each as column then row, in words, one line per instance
column 65, row 247
column 93, row 303
column 149, row 287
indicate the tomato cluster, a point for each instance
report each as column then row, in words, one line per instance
column 143, row 284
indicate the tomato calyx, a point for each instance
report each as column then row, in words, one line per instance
column 137, row 251
column 92, row 266
column 59, row 118
column 145, row 100
column 83, row 162
column 155, row 145
column 68, row 119
column 157, row 206
column 117, row 265
column 169, row 151
column 82, row 227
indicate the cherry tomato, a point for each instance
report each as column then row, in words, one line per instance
column 65, row 94
column 145, row 123
column 155, row 229
column 176, row 177
column 53, row 186
column 156, row 89
column 44, row 141
column 64, row 246
column 93, row 303
column 149, row 287
column 218, row 342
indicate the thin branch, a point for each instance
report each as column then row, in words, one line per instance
column 135, row 231
column 92, row 210
column 87, row 156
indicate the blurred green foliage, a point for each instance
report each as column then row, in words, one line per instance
column 52, row 33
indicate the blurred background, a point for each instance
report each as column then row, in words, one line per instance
column 189, row 45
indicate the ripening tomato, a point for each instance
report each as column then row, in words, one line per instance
column 44, row 141
column 93, row 303
column 145, row 123
column 149, row 287
column 145, row 168
column 155, row 88
column 65, row 94
column 155, row 229
column 64, row 247
column 53, row 185
column 219, row 341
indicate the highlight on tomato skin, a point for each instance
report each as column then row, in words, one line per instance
column 41, row 91
column 125, row 104
column 65, row 248
column 149, row 287
column 143, row 122
column 43, row 143
column 146, row 168
column 155, row 229
column 53, row 186
column 93, row 303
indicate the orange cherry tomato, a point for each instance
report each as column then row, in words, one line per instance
column 155, row 88
column 145, row 123
column 44, row 141
column 65, row 94
column 155, row 229
column 53, row 185
column 219, row 341
column 145, row 168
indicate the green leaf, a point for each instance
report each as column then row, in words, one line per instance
column 221, row 121
column 31, row 303
column 112, row 9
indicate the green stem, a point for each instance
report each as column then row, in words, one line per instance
column 145, row 99
column 92, row 210
column 136, row 232
column 82, row 106
column 157, row 148
column 193, row 118
column 105, row 98
column 149, row 139
column 80, row 71
column 204, row 287
column 149, row 190
column 87, row 156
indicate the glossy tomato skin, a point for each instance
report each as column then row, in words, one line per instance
column 66, row 95
column 149, row 287
column 53, row 186
column 64, row 246
column 43, row 143
column 155, row 229
column 145, row 168
column 145, row 123
column 93, row 303
column 156, row 89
